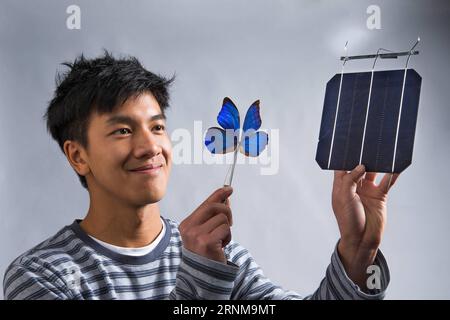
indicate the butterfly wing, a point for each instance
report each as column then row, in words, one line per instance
column 220, row 141
column 252, row 118
column 228, row 116
column 254, row 143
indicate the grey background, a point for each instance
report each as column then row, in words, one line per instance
column 282, row 52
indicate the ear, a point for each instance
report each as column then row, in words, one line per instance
column 76, row 154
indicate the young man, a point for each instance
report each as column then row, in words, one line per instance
column 107, row 116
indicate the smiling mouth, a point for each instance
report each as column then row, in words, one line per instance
column 150, row 169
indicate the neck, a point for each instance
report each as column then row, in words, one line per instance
column 116, row 223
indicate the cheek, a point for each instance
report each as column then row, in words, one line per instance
column 167, row 151
column 108, row 157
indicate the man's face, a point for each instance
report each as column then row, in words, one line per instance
column 119, row 143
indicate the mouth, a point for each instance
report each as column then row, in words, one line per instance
column 152, row 169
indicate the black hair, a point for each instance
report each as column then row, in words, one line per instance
column 101, row 85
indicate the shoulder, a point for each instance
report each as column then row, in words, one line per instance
column 44, row 262
column 173, row 230
column 59, row 243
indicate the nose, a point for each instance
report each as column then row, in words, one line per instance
column 146, row 145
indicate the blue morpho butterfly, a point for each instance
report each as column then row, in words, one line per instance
column 220, row 141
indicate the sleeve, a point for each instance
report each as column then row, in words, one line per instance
column 251, row 283
column 199, row 278
column 338, row 286
column 28, row 281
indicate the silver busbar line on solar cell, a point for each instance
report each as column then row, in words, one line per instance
column 370, row 117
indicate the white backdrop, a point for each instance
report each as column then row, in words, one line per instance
column 282, row 52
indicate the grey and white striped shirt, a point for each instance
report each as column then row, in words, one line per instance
column 72, row 265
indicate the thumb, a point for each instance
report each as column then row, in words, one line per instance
column 220, row 195
column 356, row 174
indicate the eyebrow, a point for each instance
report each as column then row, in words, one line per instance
column 128, row 120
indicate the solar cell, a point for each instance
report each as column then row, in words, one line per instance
column 369, row 118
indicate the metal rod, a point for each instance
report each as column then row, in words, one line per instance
column 401, row 105
column 390, row 55
column 411, row 52
column 337, row 106
column 368, row 101
column 230, row 173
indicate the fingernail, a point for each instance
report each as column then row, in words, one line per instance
column 361, row 168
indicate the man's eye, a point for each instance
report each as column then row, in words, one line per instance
column 122, row 131
column 159, row 127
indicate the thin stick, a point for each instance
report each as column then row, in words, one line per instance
column 401, row 104
column 337, row 107
column 390, row 181
column 391, row 55
column 368, row 107
column 230, row 173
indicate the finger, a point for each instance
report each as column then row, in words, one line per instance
column 208, row 211
column 219, row 195
column 339, row 174
column 214, row 222
column 227, row 202
column 388, row 181
column 370, row 176
column 222, row 233
column 356, row 174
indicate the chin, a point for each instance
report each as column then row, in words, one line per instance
column 145, row 194
column 149, row 198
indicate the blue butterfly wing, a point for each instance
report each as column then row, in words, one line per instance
column 228, row 116
column 252, row 118
column 220, row 141
column 254, row 143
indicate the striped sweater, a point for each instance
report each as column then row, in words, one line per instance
column 71, row 265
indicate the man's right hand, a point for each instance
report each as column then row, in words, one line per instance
column 207, row 230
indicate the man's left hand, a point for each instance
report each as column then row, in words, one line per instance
column 360, row 209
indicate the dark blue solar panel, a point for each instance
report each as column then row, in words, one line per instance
column 387, row 147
